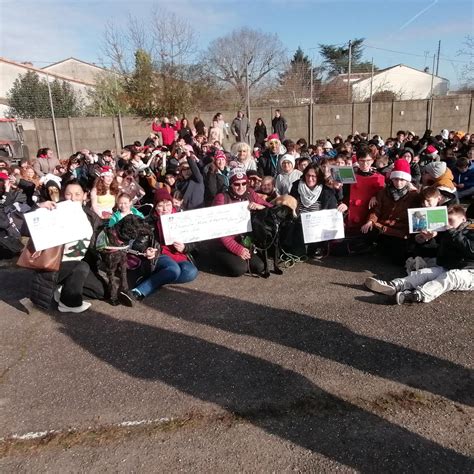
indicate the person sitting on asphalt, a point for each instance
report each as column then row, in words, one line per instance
column 454, row 270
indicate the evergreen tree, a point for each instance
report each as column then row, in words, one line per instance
column 336, row 58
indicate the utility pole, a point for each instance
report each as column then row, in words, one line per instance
column 371, row 101
column 431, row 92
column 311, row 106
column 248, row 91
column 437, row 61
column 55, row 131
column 349, row 72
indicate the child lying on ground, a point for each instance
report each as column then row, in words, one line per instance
column 454, row 270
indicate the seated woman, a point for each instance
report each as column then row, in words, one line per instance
column 191, row 182
column 217, row 177
column 312, row 194
column 244, row 156
column 77, row 275
column 173, row 265
column 104, row 193
column 231, row 254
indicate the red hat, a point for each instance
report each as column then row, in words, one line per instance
column 106, row 171
column 274, row 136
column 220, row 154
column 401, row 170
column 4, row 176
column 237, row 174
column 162, row 194
column 430, row 149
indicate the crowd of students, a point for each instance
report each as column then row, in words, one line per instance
column 178, row 169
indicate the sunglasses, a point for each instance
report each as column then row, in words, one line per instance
column 240, row 185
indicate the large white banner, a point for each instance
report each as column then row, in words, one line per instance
column 322, row 225
column 67, row 223
column 207, row 223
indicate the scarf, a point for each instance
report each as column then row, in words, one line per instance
column 237, row 197
column 397, row 194
column 309, row 196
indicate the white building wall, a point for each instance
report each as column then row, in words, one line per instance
column 76, row 70
column 405, row 82
column 10, row 72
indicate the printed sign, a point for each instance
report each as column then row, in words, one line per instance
column 343, row 174
column 427, row 218
column 67, row 223
column 208, row 223
column 322, row 225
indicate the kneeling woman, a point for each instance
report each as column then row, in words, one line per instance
column 173, row 265
column 231, row 253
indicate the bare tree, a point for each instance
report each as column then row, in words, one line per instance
column 227, row 58
column 467, row 72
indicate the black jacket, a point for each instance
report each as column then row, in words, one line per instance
column 215, row 183
column 267, row 167
column 192, row 188
column 327, row 198
column 456, row 248
column 260, row 133
column 279, row 126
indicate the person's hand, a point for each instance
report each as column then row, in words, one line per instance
column 253, row 206
column 179, row 246
column 373, row 202
column 47, row 205
column 342, row 207
column 366, row 227
column 245, row 254
column 150, row 253
column 460, row 185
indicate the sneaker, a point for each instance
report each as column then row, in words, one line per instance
column 57, row 293
column 75, row 309
column 380, row 286
column 137, row 295
column 408, row 296
column 126, row 298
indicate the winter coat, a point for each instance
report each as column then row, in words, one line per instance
column 390, row 217
column 240, row 128
column 215, row 183
column 327, row 199
column 167, row 132
column 233, row 242
column 284, row 181
column 279, row 126
column 44, row 166
column 260, row 133
column 466, row 178
column 192, row 188
column 456, row 247
column 267, row 164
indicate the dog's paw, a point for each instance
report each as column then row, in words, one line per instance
column 278, row 271
column 265, row 275
column 114, row 302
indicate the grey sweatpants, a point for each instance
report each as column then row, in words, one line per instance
column 434, row 281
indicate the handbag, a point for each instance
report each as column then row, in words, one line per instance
column 47, row 260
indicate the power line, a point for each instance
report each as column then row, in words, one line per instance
column 414, row 54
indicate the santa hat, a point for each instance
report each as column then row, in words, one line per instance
column 274, row 136
column 162, row 194
column 431, row 150
column 106, row 171
column 401, row 170
column 237, row 174
column 436, row 169
column 289, row 158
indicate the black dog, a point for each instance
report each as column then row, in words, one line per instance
column 130, row 235
column 266, row 226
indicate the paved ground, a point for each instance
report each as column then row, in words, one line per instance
column 304, row 372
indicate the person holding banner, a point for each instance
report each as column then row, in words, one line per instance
column 232, row 253
column 173, row 265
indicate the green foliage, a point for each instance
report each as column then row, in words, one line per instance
column 108, row 97
column 336, row 58
column 29, row 98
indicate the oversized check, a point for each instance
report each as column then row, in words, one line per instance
column 67, row 223
column 207, row 223
column 322, row 225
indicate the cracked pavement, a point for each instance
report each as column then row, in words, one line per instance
column 303, row 372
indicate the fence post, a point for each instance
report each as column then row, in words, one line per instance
column 352, row 117
column 469, row 116
column 38, row 134
column 71, row 135
column 391, row 118
column 55, row 132
column 119, row 120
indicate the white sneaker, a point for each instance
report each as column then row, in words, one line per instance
column 381, row 286
column 75, row 309
column 57, row 293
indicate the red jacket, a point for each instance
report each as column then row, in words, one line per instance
column 167, row 132
column 231, row 242
column 168, row 250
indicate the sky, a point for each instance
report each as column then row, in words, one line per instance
column 46, row 31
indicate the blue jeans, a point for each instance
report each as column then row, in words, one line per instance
column 167, row 271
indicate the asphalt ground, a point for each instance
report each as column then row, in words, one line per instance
column 308, row 371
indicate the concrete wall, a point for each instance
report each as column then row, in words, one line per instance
column 101, row 133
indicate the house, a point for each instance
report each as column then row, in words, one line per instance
column 76, row 69
column 10, row 70
column 405, row 82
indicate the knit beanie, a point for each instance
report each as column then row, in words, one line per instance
column 435, row 169
column 289, row 158
column 401, row 170
column 162, row 194
column 237, row 174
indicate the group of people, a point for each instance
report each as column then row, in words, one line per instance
column 178, row 169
